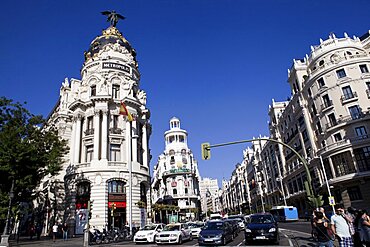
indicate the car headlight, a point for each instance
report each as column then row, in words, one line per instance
column 272, row 229
column 247, row 230
column 218, row 236
column 173, row 235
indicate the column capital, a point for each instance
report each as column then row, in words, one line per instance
column 77, row 117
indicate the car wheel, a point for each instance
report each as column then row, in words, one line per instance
column 180, row 240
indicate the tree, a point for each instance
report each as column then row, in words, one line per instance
column 30, row 149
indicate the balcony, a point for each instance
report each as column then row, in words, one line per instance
column 116, row 131
column 327, row 104
column 331, row 124
column 348, row 97
column 89, row 132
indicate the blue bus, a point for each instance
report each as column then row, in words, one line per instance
column 284, row 213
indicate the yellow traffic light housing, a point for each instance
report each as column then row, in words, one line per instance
column 206, row 151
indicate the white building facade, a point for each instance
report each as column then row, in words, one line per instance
column 176, row 175
column 209, row 193
column 104, row 147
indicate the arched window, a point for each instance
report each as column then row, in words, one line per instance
column 143, row 192
column 82, row 195
column 116, row 186
column 174, row 192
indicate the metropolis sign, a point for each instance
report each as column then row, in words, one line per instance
column 117, row 66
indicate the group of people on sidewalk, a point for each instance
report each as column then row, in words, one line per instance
column 56, row 231
column 350, row 228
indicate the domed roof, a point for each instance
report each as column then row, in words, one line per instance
column 111, row 35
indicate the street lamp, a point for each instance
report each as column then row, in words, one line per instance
column 5, row 236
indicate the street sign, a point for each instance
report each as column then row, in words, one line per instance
column 331, row 201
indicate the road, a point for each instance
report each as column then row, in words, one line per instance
column 291, row 234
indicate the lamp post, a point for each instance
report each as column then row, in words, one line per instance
column 326, row 179
column 5, row 235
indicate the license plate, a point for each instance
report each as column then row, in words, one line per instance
column 260, row 237
column 208, row 240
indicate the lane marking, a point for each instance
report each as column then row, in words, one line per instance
column 290, row 241
column 308, row 234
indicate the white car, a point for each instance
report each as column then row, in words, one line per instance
column 148, row 233
column 196, row 227
column 174, row 233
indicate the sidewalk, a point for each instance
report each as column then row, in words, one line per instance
column 47, row 241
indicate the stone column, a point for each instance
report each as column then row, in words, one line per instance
column 309, row 129
column 104, row 139
column 77, row 137
column 144, row 144
column 73, row 138
column 134, row 141
column 332, row 167
column 96, row 134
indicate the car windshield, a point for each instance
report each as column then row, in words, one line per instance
column 196, row 225
column 214, row 226
column 261, row 219
column 148, row 227
column 171, row 228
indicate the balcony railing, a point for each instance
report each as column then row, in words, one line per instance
column 346, row 97
column 326, row 104
column 115, row 131
column 89, row 132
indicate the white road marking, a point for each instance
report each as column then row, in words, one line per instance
column 290, row 241
column 308, row 234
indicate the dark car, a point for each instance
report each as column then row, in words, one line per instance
column 216, row 232
column 261, row 227
column 235, row 225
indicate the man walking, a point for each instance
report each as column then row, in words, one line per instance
column 55, row 231
column 340, row 227
column 65, row 231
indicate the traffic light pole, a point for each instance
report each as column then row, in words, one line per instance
column 315, row 201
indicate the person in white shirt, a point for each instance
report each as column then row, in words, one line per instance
column 340, row 227
column 55, row 231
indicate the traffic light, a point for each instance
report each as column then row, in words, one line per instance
column 114, row 206
column 89, row 208
column 206, row 151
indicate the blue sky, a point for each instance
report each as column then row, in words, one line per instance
column 215, row 64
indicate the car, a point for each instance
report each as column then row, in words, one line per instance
column 235, row 226
column 240, row 218
column 196, row 227
column 174, row 233
column 147, row 234
column 216, row 232
column 261, row 226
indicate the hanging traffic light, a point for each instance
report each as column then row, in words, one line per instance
column 206, row 151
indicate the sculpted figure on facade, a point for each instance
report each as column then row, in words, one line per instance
column 141, row 96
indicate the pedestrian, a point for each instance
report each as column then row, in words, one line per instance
column 31, row 230
column 55, row 231
column 38, row 230
column 324, row 237
column 65, row 231
column 364, row 227
column 340, row 227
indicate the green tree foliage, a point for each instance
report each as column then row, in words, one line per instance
column 29, row 150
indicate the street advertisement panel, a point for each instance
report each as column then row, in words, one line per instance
column 81, row 220
column 142, row 217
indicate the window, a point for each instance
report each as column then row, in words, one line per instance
column 172, row 160
column 343, row 163
column 319, row 128
column 305, row 135
column 93, row 90
column 314, row 111
column 347, row 93
column 186, row 191
column 174, row 192
column 363, row 68
column 90, row 123
column 116, row 186
column 341, row 73
column 321, row 82
column 326, row 100
column 337, row 137
column 89, row 153
column 354, row 111
column 115, row 152
column 115, row 91
column 181, row 139
column 171, row 139
column 332, row 120
column 360, row 131
column 362, row 156
column 115, row 121
column 354, row 193
column 309, row 92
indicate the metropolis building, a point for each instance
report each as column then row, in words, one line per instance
column 104, row 147
column 176, row 175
